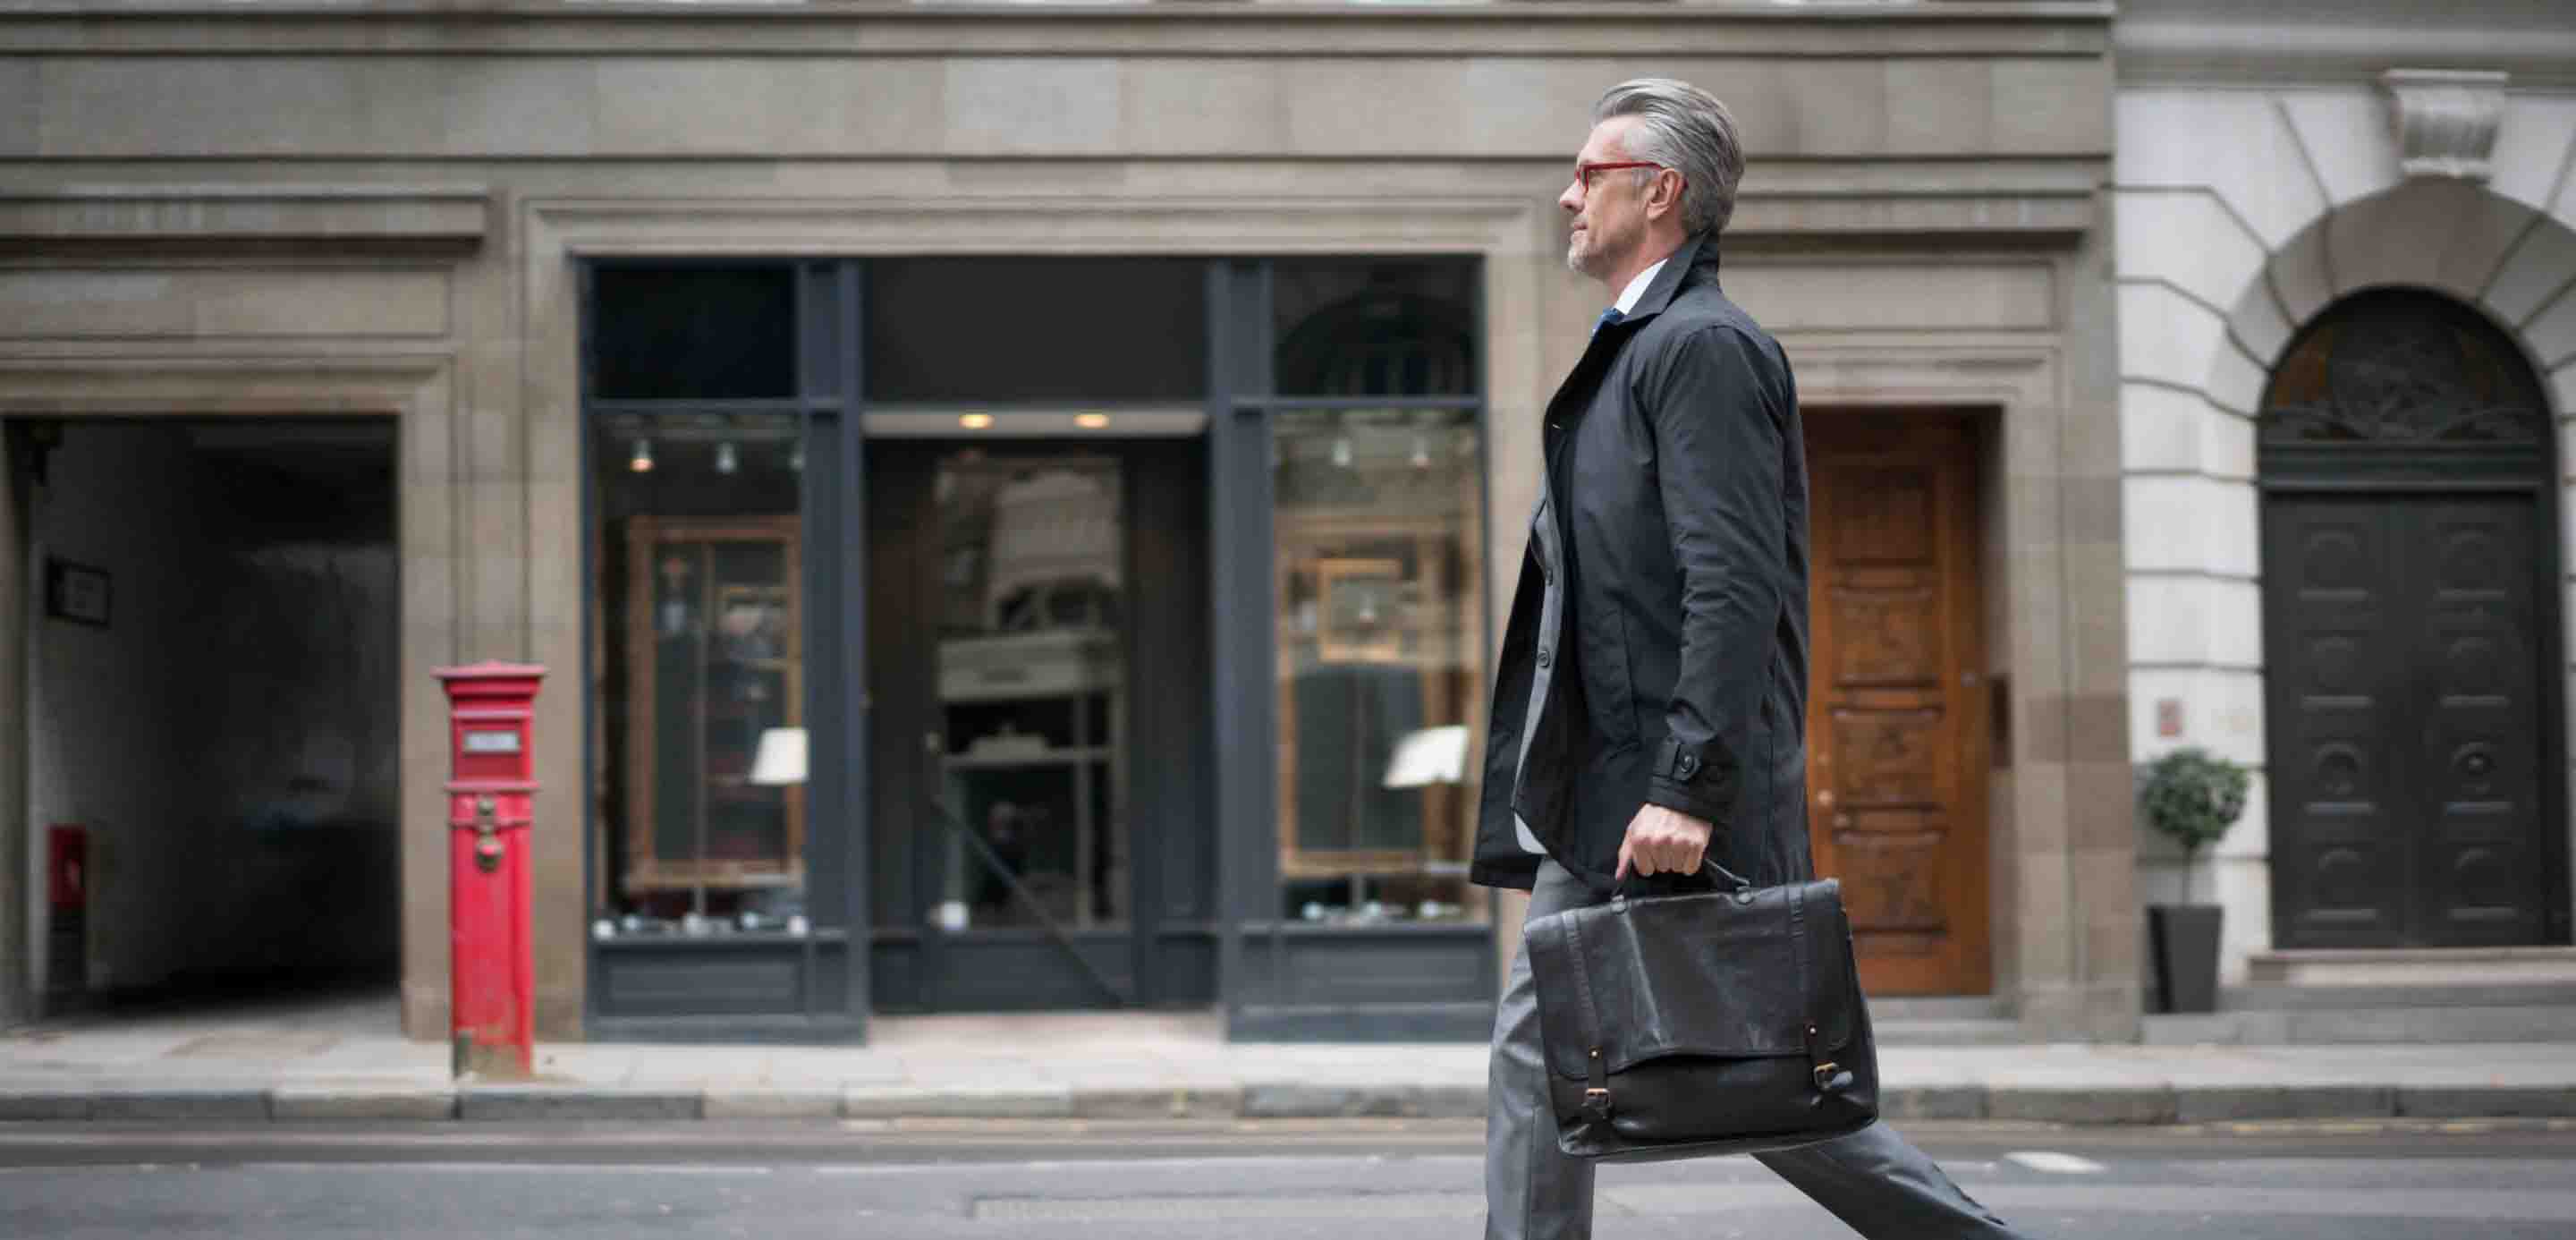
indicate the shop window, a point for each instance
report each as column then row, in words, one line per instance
column 1381, row 662
column 698, row 675
column 1089, row 330
column 700, row 333
column 1387, row 328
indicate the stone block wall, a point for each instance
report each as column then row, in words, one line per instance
column 2242, row 211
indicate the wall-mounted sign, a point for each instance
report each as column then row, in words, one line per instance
column 492, row 740
column 76, row 592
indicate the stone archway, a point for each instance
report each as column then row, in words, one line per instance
column 2514, row 265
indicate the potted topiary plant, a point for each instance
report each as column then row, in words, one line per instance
column 2192, row 797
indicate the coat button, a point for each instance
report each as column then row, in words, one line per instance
column 1547, row 575
column 1689, row 765
column 1545, row 658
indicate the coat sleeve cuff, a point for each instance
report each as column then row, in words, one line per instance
column 1697, row 800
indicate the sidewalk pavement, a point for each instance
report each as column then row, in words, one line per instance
column 344, row 1060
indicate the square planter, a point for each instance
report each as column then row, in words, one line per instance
column 2184, row 940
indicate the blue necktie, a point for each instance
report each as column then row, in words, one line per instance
column 1608, row 317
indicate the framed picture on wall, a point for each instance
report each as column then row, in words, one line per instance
column 1360, row 610
column 76, row 592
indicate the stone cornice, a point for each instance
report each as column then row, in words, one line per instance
column 1548, row 28
column 2340, row 41
column 217, row 217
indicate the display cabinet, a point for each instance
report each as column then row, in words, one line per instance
column 1371, row 652
column 713, row 620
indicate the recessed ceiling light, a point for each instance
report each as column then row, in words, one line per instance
column 1092, row 421
column 976, row 421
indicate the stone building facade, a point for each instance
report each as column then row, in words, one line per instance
column 420, row 213
column 2347, row 351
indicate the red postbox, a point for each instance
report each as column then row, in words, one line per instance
column 491, row 968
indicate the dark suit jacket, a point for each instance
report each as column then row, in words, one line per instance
column 1677, row 479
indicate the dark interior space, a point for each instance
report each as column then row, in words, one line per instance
column 214, row 709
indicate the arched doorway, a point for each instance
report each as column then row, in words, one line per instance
column 2411, row 633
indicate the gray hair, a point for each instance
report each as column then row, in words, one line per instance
column 1686, row 129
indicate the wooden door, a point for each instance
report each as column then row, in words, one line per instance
column 2404, row 692
column 1897, row 735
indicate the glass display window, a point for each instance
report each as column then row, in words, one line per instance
column 1033, row 688
column 698, row 675
column 1381, row 662
column 690, row 332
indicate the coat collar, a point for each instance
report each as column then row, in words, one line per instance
column 1693, row 256
column 1695, row 253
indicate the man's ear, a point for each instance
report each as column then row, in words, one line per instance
column 1664, row 197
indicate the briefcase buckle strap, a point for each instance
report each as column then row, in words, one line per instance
column 1596, row 1100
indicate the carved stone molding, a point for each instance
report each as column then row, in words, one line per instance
column 2446, row 120
column 230, row 216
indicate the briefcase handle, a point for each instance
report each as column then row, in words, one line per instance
column 1707, row 865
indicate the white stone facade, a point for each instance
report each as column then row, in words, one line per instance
column 2246, row 199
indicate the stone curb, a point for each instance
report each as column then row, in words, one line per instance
column 755, row 1102
column 2205, row 1106
column 1380, row 1099
column 544, row 1102
column 921, row 1102
column 179, row 1102
column 39, row 1104
column 2125, row 1103
column 2486, row 1101
column 1197, row 1100
column 333, row 1102
column 2070, row 1103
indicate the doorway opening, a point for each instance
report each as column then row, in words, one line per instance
column 212, row 714
column 2412, row 644
column 1038, row 662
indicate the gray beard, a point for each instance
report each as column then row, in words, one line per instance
column 1574, row 256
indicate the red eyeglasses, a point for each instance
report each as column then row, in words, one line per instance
column 1583, row 173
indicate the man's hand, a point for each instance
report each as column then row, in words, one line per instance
column 1663, row 841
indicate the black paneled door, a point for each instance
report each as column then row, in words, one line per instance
column 2405, row 701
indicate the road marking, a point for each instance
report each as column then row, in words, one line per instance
column 2055, row 1163
column 1206, row 1163
column 51, row 1169
column 1369, row 1206
column 523, row 1168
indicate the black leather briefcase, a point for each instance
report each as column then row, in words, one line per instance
column 1729, row 1022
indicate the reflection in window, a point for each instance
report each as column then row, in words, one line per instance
column 694, row 332
column 699, row 677
column 1384, row 327
column 1380, row 662
column 1032, row 689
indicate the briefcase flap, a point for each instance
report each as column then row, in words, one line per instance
column 1738, row 974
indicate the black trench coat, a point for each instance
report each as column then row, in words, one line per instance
column 1675, row 577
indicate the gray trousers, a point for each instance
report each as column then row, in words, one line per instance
column 1873, row 1180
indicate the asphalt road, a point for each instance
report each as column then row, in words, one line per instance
column 1258, row 1181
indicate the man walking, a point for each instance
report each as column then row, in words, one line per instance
column 1651, row 705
